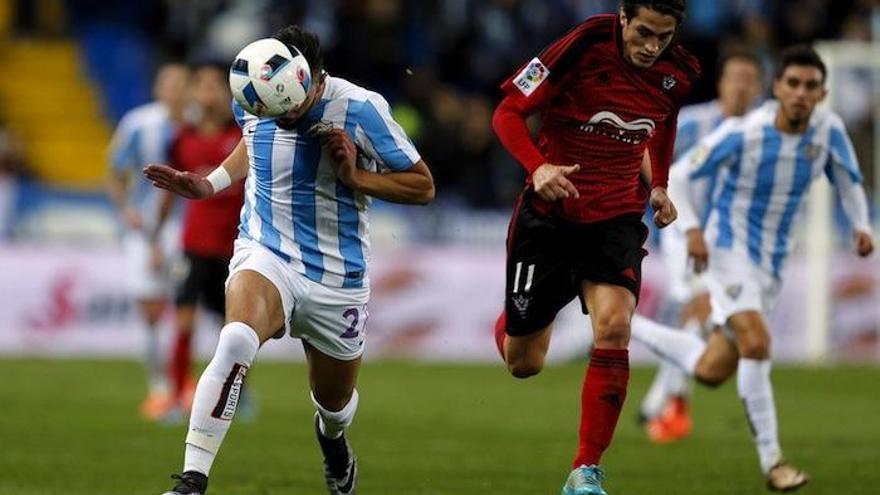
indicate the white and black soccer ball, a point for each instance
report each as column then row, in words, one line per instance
column 268, row 80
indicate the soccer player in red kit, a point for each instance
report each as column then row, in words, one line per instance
column 210, row 227
column 608, row 94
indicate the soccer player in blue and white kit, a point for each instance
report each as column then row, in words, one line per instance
column 300, row 263
column 664, row 408
column 144, row 136
column 764, row 165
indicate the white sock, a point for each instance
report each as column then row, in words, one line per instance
column 217, row 395
column 756, row 392
column 680, row 348
column 655, row 400
column 333, row 424
column 157, row 382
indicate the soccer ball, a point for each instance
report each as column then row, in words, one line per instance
column 267, row 79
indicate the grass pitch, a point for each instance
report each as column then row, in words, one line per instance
column 71, row 427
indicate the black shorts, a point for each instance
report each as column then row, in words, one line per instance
column 203, row 280
column 548, row 258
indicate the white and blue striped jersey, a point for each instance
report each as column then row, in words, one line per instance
column 758, row 178
column 694, row 123
column 295, row 207
column 143, row 136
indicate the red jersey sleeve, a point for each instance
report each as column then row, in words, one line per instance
column 661, row 148
column 538, row 82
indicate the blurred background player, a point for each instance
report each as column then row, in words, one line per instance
column 209, row 227
column 765, row 163
column 664, row 409
column 300, row 262
column 607, row 92
column 144, row 135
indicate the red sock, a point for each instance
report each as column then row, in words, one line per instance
column 601, row 401
column 500, row 333
column 180, row 365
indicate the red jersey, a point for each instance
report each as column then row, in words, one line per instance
column 598, row 111
column 210, row 226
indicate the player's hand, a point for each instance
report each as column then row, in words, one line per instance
column 664, row 211
column 344, row 156
column 186, row 184
column 864, row 243
column 552, row 184
column 132, row 218
column 697, row 250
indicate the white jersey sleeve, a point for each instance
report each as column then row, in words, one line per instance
column 379, row 135
column 844, row 173
column 125, row 145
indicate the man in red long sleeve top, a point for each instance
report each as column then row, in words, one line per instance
column 608, row 94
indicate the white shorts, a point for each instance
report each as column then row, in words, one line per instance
column 684, row 284
column 141, row 280
column 332, row 320
column 735, row 285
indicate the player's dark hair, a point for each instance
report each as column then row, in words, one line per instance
column 738, row 52
column 800, row 55
column 675, row 8
column 306, row 42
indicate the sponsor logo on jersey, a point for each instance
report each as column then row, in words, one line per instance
column 610, row 124
column 530, row 78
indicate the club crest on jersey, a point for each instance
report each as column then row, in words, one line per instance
column 610, row 124
column 669, row 82
column 530, row 78
column 812, row 151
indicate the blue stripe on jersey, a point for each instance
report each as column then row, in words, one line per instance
column 349, row 239
column 803, row 175
column 306, row 158
column 840, row 148
column 731, row 146
column 129, row 155
column 238, row 113
column 264, row 139
column 686, row 138
column 379, row 135
column 763, row 190
column 707, row 198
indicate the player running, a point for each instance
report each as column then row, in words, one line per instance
column 209, row 227
column 144, row 136
column 764, row 164
column 607, row 92
column 300, row 262
column 664, row 408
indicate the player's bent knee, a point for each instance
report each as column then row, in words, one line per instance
column 612, row 333
column 712, row 377
column 757, row 348
column 525, row 367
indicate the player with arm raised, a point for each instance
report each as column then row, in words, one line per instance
column 607, row 93
column 664, row 409
column 765, row 164
column 300, row 262
column 144, row 135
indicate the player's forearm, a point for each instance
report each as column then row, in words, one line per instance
column 236, row 164
column 410, row 187
column 855, row 205
column 509, row 123
column 679, row 193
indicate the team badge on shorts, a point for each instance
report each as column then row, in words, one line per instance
column 531, row 77
column 521, row 302
column 734, row 291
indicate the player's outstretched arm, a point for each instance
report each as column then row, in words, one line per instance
column 194, row 186
column 413, row 186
